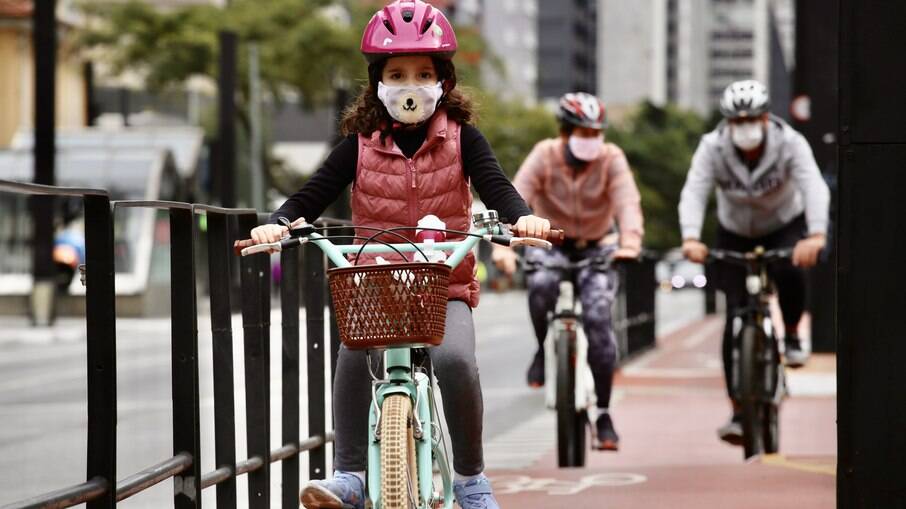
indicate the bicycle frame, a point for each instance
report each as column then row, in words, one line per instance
column 401, row 377
column 757, row 312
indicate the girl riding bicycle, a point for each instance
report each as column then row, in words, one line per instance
column 410, row 150
column 582, row 184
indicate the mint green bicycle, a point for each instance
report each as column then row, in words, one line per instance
column 397, row 308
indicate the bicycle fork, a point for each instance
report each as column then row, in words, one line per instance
column 399, row 379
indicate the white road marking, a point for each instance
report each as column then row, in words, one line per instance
column 510, row 484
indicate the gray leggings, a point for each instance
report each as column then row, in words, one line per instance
column 457, row 374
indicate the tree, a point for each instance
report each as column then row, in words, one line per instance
column 512, row 128
column 659, row 143
column 303, row 48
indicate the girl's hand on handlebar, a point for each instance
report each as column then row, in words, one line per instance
column 269, row 233
column 695, row 250
column 805, row 254
column 532, row 226
column 504, row 259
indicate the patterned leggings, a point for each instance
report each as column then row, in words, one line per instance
column 597, row 292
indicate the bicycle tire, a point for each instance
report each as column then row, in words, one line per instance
column 774, row 379
column 750, row 393
column 398, row 465
column 771, row 428
column 570, row 424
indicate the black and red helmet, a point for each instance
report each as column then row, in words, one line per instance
column 582, row 109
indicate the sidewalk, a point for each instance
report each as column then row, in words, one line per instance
column 668, row 405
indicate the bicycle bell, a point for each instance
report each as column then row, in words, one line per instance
column 485, row 218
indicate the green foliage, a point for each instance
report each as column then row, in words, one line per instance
column 659, row 143
column 302, row 48
column 512, row 128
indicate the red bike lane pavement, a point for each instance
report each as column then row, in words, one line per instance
column 668, row 404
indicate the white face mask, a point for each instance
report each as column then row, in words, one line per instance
column 410, row 104
column 747, row 136
column 586, row 149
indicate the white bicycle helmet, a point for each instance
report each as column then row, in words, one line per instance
column 744, row 99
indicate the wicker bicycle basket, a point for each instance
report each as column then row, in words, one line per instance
column 379, row 306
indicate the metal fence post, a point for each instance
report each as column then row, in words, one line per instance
column 219, row 263
column 184, row 349
column 255, row 325
column 314, row 317
column 289, row 302
column 100, row 320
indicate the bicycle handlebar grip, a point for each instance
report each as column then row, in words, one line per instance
column 257, row 248
column 528, row 241
column 239, row 245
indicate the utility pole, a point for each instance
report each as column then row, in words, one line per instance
column 44, row 42
column 226, row 114
column 870, row 270
column 814, row 113
column 255, row 142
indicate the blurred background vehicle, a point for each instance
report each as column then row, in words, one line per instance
column 674, row 272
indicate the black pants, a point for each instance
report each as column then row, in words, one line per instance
column 788, row 280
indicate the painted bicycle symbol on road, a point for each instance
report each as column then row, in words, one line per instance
column 510, row 484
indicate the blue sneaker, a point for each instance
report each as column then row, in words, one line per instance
column 344, row 491
column 475, row 494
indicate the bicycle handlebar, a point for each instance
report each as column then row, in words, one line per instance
column 306, row 233
column 743, row 258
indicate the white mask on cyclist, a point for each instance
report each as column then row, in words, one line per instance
column 747, row 135
column 410, row 104
column 586, row 149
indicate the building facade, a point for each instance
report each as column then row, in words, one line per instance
column 510, row 28
column 567, row 47
column 631, row 51
column 687, row 51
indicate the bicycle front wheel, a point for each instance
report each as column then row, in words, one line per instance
column 570, row 422
column 750, row 393
column 399, row 477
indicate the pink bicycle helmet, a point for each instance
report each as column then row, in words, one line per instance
column 408, row 27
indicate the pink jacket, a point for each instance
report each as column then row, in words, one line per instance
column 586, row 203
column 392, row 190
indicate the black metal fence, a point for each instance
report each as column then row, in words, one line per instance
column 101, row 490
column 634, row 314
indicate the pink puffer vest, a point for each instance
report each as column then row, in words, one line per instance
column 391, row 190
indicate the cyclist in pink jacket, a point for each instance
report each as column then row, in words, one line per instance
column 584, row 186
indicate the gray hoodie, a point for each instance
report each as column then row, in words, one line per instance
column 754, row 203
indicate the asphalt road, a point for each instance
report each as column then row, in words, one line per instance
column 43, row 393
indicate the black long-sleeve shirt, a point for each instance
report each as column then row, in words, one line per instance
column 338, row 171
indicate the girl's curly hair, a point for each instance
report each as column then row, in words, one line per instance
column 367, row 113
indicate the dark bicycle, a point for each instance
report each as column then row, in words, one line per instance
column 566, row 347
column 757, row 376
